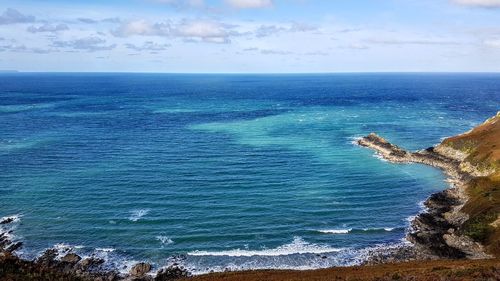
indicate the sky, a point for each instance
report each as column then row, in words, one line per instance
column 250, row 36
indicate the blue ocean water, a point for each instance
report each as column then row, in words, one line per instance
column 227, row 171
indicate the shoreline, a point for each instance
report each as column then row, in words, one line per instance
column 433, row 234
column 433, row 231
column 421, row 242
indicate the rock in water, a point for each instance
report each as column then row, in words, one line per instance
column 89, row 263
column 48, row 258
column 71, row 258
column 171, row 273
column 7, row 220
column 140, row 269
column 14, row 247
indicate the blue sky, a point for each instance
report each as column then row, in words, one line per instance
column 256, row 36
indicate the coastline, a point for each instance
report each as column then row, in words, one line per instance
column 433, row 232
column 425, row 234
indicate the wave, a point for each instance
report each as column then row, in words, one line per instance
column 197, row 265
column 112, row 259
column 14, row 218
column 164, row 240
column 336, row 231
column 105, row 250
column 138, row 214
column 7, row 230
column 362, row 230
column 24, row 107
column 354, row 140
column 297, row 246
column 379, row 157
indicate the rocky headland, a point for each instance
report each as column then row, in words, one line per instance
column 461, row 221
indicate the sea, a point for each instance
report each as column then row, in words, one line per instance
column 223, row 172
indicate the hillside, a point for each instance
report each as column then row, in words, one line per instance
column 415, row 271
column 479, row 153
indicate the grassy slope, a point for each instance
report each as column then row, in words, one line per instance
column 482, row 144
column 416, row 271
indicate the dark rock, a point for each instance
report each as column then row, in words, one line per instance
column 4, row 240
column 140, row 269
column 171, row 273
column 7, row 220
column 89, row 263
column 48, row 259
column 71, row 258
column 14, row 247
column 429, row 228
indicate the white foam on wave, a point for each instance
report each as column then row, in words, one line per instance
column 422, row 206
column 379, row 157
column 164, row 240
column 8, row 229
column 64, row 249
column 297, row 246
column 354, row 140
column 388, row 229
column 352, row 230
column 345, row 257
column 105, row 250
column 138, row 214
column 336, row 231
column 15, row 218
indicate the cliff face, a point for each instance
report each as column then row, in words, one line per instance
column 468, row 212
column 479, row 153
column 478, row 150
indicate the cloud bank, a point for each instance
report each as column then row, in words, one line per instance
column 479, row 3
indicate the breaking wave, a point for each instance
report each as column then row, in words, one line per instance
column 297, row 246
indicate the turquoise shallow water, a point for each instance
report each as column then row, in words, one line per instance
column 223, row 171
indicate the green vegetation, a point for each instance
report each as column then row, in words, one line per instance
column 482, row 145
column 479, row 227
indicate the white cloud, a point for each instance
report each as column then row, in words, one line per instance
column 12, row 16
column 479, row 3
column 148, row 46
column 21, row 48
column 95, row 21
column 90, row 43
column 201, row 29
column 142, row 27
column 269, row 30
column 411, row 42
column 275, row 52
column 48, row 28
column 189, row 30
column 356, row 46
column 495, row 43
column 249, row 4
column 182, row 3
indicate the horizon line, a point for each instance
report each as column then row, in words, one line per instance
column 246, row 73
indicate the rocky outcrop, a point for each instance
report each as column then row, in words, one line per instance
column 434, row 232
column 171, row 273
column 7, row 220
column 140, row 269
column 71, row 266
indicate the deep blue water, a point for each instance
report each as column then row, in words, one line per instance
column 238, row 171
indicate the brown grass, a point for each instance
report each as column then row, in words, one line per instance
column 483, row 146
column 426, row 270
column 482, row 143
